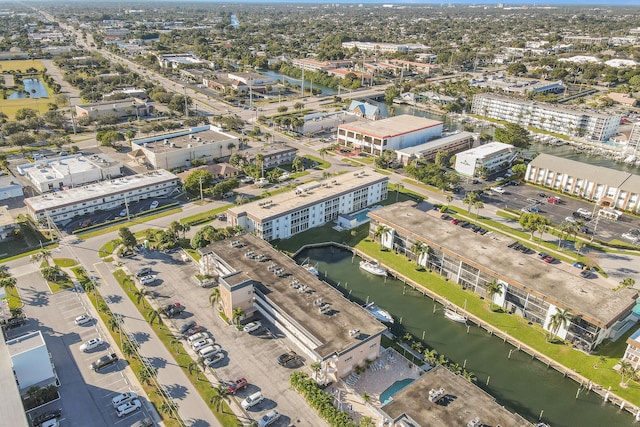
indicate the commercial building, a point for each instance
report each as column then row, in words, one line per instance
column 8, row 224
column 608, row 187
column 530, row 288
column 451, row 144
column 328, row 328
column 31, row 363
column 421, row 404
column 272, row 154
column 520, row 86
column 102, row 196
column 9, row 188
column 492, row 157
column 65, row 172
column 575, row 122
column 383, row 47
column 174, row 60
column 121, row 108
column 309, row 206
column 178, row 150
column 394, row 133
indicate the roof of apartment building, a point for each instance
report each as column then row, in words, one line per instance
column 549, row 107
column 391, row 127
column 487, row 150
column 329, row 331
column 306, row 195
column 610, row 177
column 55, row 168
column 435, row 144
column 76, row 195
column 593, row 301
column 465, row 402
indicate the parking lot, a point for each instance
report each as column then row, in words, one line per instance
column 253, row 356
column 85, row 396
column 524, row 196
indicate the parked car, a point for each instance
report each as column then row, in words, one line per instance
column 123, row 398
column 498, row 190
column 570, row 219
column 92, row 344
column 127, row 408
column 548, row 259
column 145, row 271
column 38, row 420
column 580, row 265
column 543, row 195
column 14, row 322
column 84, row 319
column 197, row 345
column 553, row 200
column 174, row 309
column 186, row 326
column 123, row 212
column 252, row 326
column 213, row 360
column 455, row 221
column 154, row 204
column 585, row 274
column 286, row 359
column 268, row 418
column 146, row 280
column 145, row 422
column 238, row 384
column 197, row 337
column 104, row 361
column 535, row 209
column 209, row 350
column 195, row 329
column 252, row 400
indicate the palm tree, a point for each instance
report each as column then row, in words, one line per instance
column 558, row 320
column 219, row 397
column 380, row 232
column 236, row 315
column 449, row 199
column 154, row 315
column 563, row 228
column 241, row 200
column 4, row 271
column 579, row 246
column 129, row 349
column 297, row 164
column 260, row 163
column 316, row 367
column 193, row 367
column 214, row 296
column 418, row 249
column 478, row 205
column 469, row 199
column 144, row 376
column 140, row 295
column 169, row 408
column 494, row 288
column 41, row 256
column 627, row 370
column 113, row 323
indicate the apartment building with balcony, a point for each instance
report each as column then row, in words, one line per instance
column 573, row 122
column 493, row 156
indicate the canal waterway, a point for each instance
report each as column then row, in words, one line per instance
column 519, row 383
column 297, row 82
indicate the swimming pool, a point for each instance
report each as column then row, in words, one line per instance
column 385, row 396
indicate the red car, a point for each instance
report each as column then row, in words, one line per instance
column 238, row 384
column 455, row 221
column 553, row 200
column 548, row 259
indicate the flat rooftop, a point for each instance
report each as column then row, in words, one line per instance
column 464, row 403
column 331, row 330
column 549, row 107
column 59, row 167
column 393, row 126
column 490, row 253
column 5, row 217
column 25, row 342
column 180, row 140
column 11, row 403
column 488, row 149
column 435, row 144
column 307, row 195
column 98, row 190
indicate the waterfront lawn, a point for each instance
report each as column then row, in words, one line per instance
column 590, row 366
column 320, row 235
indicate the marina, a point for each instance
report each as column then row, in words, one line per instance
column 523, row 383
column 379, row 313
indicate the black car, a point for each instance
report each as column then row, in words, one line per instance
column 542, row 195
column 46, row 416
column 286, row 359
column 190, row 324
column 104, row 361
column 445, row 217
column 14, row 322
column 144, row 272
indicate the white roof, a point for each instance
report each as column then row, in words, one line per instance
column 487, row 150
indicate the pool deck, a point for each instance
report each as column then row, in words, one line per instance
column 377, row 377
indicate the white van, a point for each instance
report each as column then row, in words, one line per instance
column 252, row 400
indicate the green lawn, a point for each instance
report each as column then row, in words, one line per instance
column 135, row 221
column 60, row 285
column 13, row 298
column 107, row 249
column 64, row 262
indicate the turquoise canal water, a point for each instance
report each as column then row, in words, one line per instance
column 522, row 385
column 385, row 396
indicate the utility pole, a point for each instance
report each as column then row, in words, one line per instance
column 201, row 194
column 186, row 110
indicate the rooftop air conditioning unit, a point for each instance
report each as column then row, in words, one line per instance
column 166, row 142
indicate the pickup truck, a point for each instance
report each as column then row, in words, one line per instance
column 104, row 361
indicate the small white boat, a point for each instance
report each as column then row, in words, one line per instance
column 311, row 269
column 380, row 314
column 452, row 315
column 373, row 267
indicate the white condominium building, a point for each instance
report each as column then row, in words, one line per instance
column 310, row 205
column 548, row 117
column 493, row 156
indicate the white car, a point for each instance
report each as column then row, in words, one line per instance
column 145, row 280
column 92, row 344
column 209, row 350
column 570, row 219
column 127, row 408
column 499, row 190
column 197, row 337
column 123, row 212
column 252, row 327
column 268, row 418
column 213, row 360
column 84, row 319
column 123, row 398
column 154, row 204
column 197, row 345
